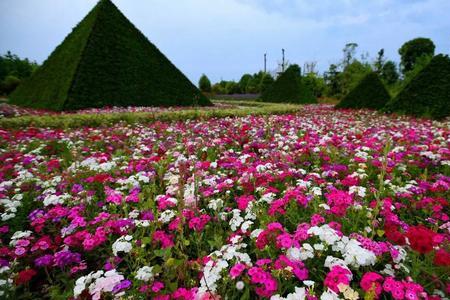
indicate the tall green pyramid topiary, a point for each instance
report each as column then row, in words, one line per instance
column 428, row 93
column 106, row 61
column 370, row 92
column 288, row 87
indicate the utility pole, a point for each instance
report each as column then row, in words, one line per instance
column 282, row 63
column 265, row 62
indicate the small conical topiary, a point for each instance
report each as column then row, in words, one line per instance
column 106, row 61
column 370, row 92
column 288, row 87
column 428, row 93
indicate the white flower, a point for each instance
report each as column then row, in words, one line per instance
column 331, row 261
column 359, row 190
column 166, row 216
column 236, row 220
column 215, row 204
column 329, row 295
column 246, row 226
column 317, row 191
column 255, row 233
column 122, row 244
column 240, row 285
column 308, row 282
column 54, row 199
column 144, row 273
column 356, row 255
column 298, row 294
column 325, row 233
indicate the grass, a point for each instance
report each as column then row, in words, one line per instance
column 243, row 108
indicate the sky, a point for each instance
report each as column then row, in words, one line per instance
column 227, row 38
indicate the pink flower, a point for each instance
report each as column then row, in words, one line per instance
column 237, row 270
column 337, row 275
column 284, row 240
column 339, row 201
column 243, row 201
column 157, row 286
column 113, row 196
column 133, row 196
column 372, row 281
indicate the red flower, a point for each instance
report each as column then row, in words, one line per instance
column 421, row 239
column 442, row 258
column 394, row 235
column 25, row 276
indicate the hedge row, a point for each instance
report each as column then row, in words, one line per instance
column 97, row 120
column 427, row 94
column 370, row 92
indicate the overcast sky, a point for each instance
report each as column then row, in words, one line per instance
column 226, row 38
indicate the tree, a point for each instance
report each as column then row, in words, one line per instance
column 204, row 84
column 379, row 61
column 232, row 87
column 414, row 49
column 254, row 84
column 9, row 84
column 352, row 74
column 349, row 54
column 13, row 70
column 244, row 82
column 315, row 83
column 332, row 81
column 266, row 82
column 389, row 73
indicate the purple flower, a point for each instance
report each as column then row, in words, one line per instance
column 43, row 261
column 123, row 285
column 147, row 215
column 4, row 262
column 65, row 257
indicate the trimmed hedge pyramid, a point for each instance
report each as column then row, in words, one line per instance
column 289, row 88
column 370, row 92
column 427, row 94
column 106, row 61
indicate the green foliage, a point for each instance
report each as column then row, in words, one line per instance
column 412, row 50
column 315, row 83
column 352, row 75
column 266, row 82
column 12, row 70
column 232, row 88
column 428, row 93
column 332, row 81
column 248, row 84
column 370, row 92
column 9, row 84
column 388, row 73
column 244, row 81
column 106, row 61
column 204, row 84
column 289, row 88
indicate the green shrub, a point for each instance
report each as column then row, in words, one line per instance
column 9, row 84
column 288, row 87
column 204, row 84
column 428, row 93
column 413, row 50
column 106, row 61
column 370, row 92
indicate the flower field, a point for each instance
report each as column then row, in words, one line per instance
column 318, row 204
